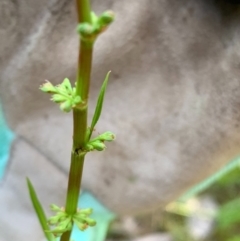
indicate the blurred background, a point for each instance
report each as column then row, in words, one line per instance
column 207, row 212
column 205, row 51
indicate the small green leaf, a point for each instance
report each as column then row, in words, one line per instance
column 99, row 105
column 39, row 211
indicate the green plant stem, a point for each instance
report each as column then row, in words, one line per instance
column 79, row 127
column 79, row 116
column 83, row 76
column 74, row 183
column 83, row 11
column 75, row 177
column 85, row 53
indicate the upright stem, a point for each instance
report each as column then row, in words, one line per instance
column 79, row 116
column 83, row 76
column 83, row 11
column 85, row 53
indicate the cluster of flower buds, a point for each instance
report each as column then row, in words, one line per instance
column 61, row 221
column 98, row 142
column 62, row 94
column 89, row 32
column 64, row 222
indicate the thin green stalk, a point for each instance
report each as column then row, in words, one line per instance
column 79, row 116
column 83, row 11
column 85, row 53
column 75, row 177
column 84, row 63
column 74, row 184
column 79, row 127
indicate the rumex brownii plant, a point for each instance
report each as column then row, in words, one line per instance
column 75, row 99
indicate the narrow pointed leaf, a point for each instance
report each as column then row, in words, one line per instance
column 39, row 211
column 99, row 105
column 202, row 186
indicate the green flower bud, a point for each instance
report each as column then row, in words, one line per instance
column 77, row 100
column 91, row 222
column 82, row 226
column 79, row 218
column 53, row 220
column 57, row 98
column 64, row 222
column 98, row 145
column 62, row 226
column 61, row 215
column 63, row 218
column 86, row 30
column 86, row 211
column 106, row 18
column 106, row 136
column 48, row 88
column 66, row 106
column 89, row 147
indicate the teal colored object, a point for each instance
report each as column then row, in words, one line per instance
column 6, row 138
column 100, row 213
